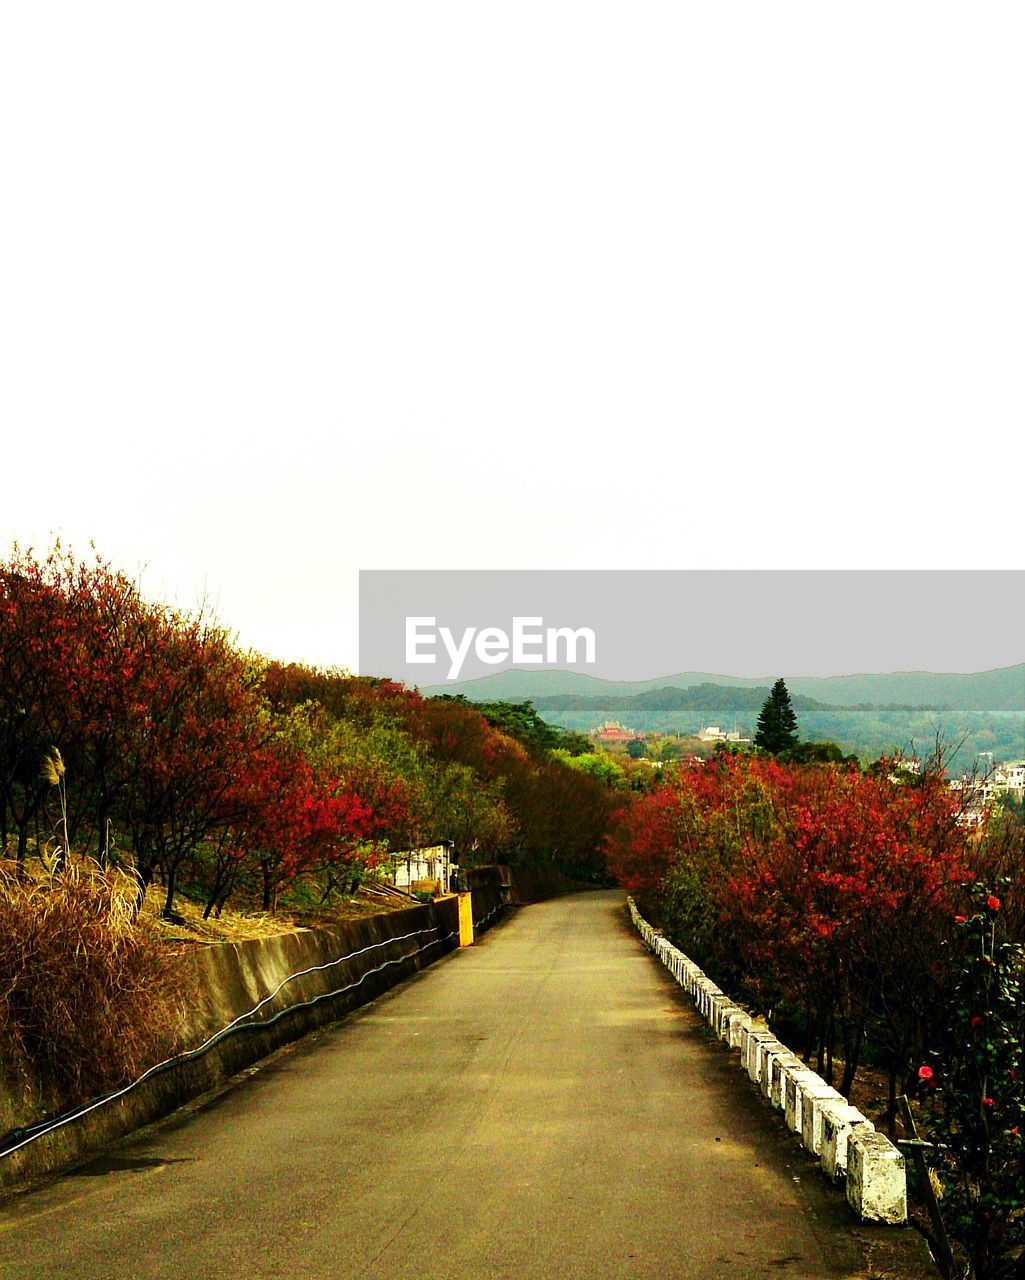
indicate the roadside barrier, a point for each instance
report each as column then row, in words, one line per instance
column 20, row 1137
column 479, row 924
column 846, row 1143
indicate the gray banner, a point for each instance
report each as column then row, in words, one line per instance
column 442, row 627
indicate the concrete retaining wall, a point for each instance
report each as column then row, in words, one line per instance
column 519, row 885
column 487, row 884
column 868, row 1165
column 228, row 981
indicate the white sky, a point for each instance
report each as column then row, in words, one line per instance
column 287, row 291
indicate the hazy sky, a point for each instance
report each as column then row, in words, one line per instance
column 290, row 291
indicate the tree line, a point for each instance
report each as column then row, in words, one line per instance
column 873, row 923
column 142, row 735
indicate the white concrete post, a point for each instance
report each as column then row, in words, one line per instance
column 812, row 1101
column 778, row 1065
column 877, row 1188
column 773, row 1053
column 758, row 1062
column 714, row 1014
column 724, row 1007
column 738, row 1023
column 793, row 1079
column 755, row 1036
column 838, row 1121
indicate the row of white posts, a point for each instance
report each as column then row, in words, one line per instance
column 846, row 1143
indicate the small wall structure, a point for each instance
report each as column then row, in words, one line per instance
column 249, row 999
column 264, row 993
column 852, row 1153
column 500, row 884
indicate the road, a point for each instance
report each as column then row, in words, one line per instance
column 545, row 1104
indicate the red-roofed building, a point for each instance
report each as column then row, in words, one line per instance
column 613, row 731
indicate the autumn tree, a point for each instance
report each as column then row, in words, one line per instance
column 195, row 728
column 109, row 624
column 48, row 667
column 822, row 893
column 31, row 649
column 196, row 763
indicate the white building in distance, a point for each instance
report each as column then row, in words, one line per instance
column 712, row 733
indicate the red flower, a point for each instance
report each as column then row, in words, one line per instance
column 959, row 919
column 988, row 1102
column 993, row 903
column 1013, row 1133
column 978, row 1020
column 925, row 1073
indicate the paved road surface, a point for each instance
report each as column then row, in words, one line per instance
column 543, row 1105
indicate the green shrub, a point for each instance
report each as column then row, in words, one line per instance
column 974, row 1092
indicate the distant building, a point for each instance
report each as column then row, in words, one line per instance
column 975, row 796
column 978, row 793
column 712, row 733
column 415, row 866
column 1010, row 777
column 905, row 768
column 613, row 731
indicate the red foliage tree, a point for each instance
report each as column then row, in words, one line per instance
column 34, row 693
column 69, row 663
column 195, row 729
column 830, row 891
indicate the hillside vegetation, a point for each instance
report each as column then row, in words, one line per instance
column 142, row 736
column 1001, row 690
column 870, row 922
column 866, row 731
column 141, row 750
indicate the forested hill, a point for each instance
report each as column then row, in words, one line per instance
column 866, row 730
column 1001, row 690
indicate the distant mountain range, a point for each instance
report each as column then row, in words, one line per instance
column 866, row 714
column 1001, row 691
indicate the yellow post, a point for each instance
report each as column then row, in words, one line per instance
column 466, row 919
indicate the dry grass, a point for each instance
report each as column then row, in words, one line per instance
column 235, row 924
column 232, row 926
column 87, row 995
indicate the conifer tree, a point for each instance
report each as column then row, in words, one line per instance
column 777, row 724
